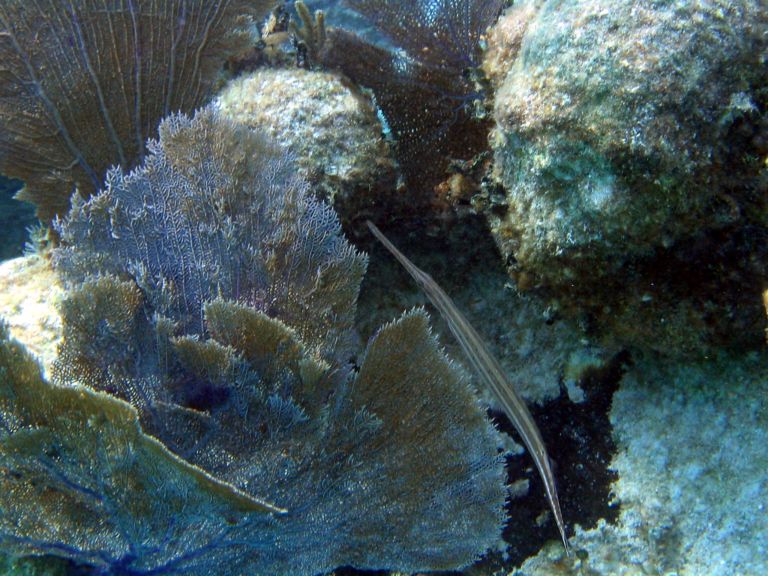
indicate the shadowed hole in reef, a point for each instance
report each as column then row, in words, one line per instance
column 580, row 444
column 200, row 394
column 15, row 218
column 578, row 436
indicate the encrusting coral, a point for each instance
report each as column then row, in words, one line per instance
column 86, row 82
column 204, row 411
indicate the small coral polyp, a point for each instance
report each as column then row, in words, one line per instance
column 203, row 411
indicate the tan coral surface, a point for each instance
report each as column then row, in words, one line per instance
column 29, row 293
column 332, row 130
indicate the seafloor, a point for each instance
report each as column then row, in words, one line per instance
column 612, row 256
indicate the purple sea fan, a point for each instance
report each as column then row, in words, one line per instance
column 204, row 412
column 218, row 211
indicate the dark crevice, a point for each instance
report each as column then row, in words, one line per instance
column 581, row 446
column 16, row 218
column 578, row 435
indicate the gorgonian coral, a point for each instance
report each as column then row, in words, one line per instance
column 217, row 211
column 427, row 88
column 84, row 83
column 205, row 413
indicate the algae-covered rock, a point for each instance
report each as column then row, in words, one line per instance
column 691, row 475
column 631, row 141
column 613, row 120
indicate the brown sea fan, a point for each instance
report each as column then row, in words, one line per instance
column 84, row 83
column 428, row 88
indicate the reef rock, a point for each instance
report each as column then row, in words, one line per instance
column 631, row 141
column 29, row 292
column 332, row 131
column 691, row 495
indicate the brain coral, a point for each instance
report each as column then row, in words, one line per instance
column 205, row 412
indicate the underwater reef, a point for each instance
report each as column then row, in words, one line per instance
column 203, row 409
column 630, row 143
column 211, row 380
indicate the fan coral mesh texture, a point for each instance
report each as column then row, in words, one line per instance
column 217, row 211
column 83, row 83
column 425, row 90
column 222, row 427
column 438, row 33
column 80, row 480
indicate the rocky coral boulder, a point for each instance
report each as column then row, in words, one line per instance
column 332, row 130
column 630, row 132
column 690, row 496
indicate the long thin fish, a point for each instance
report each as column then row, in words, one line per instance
column 490, row 372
